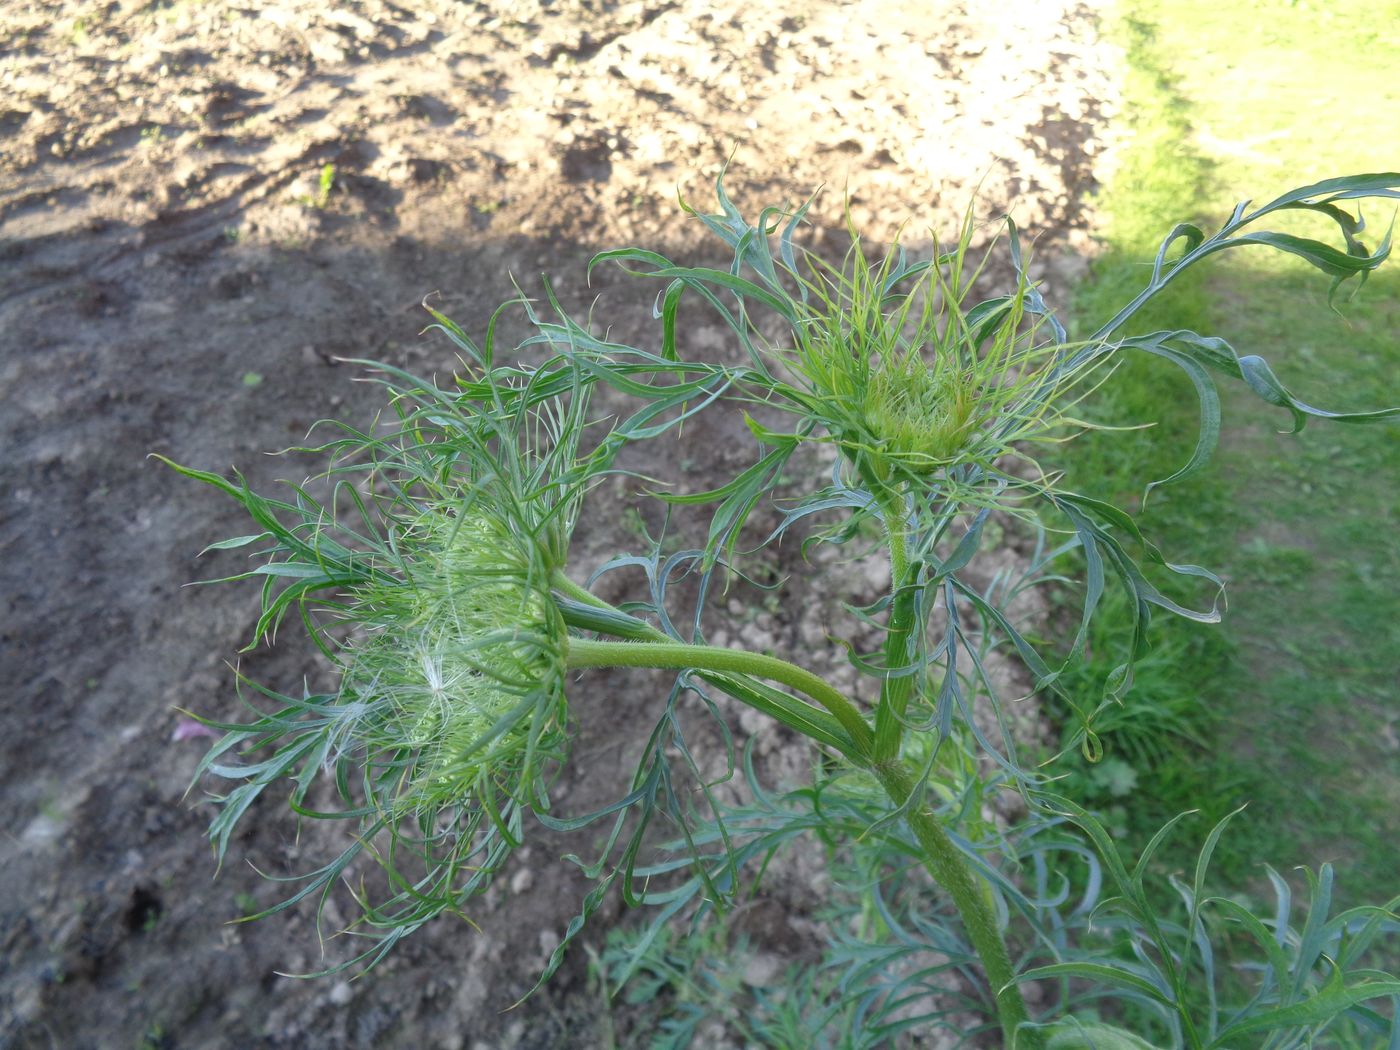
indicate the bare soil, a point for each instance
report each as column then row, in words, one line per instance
column 175, row 277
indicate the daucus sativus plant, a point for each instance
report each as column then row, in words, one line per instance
column 431, row 569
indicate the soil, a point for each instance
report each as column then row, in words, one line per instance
column 204, row 209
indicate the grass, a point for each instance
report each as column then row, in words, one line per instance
column 1291, row 703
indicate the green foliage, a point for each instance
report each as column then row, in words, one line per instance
column 1301, row 524
column 1159, row 725
column 325, row 182
column 891, row 964
column 433, row 577
column 425, row 577
column 1301, row 980
column 1206, row 971
column 895, row 369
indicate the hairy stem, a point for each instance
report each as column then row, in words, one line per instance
column 896, row 535
column 948, row 868
column 898, row 685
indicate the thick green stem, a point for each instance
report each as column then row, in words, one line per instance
column 943, row 860
column 948, row 868
column 896, row 528
column 898, row 685
column 802, row 716
column 585, row 652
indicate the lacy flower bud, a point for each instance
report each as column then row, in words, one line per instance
column 464, row 662
column 922, row 418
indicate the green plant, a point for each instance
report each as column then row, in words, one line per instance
column 154, row 1038
column 428, row 563
column 324, row 184
column 1300, row 650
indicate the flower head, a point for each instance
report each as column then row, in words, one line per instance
column 905, row 380
column 459, row 679
column 426, row 577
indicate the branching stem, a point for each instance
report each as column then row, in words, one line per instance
column 941, row 856
column 586, row 652
column 799, row 715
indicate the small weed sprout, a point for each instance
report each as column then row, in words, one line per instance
column 433, row 576
column 324, row 184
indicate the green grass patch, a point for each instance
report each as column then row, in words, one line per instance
column 1291, row 705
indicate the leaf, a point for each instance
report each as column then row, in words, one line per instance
column 1334, row 998
column 1034, row 302
column 1078, row 1035
column 1355, row 262
column 1379, row 184
column 740, row 497
column 1208, row 432
column 700, row 278
column 291, row 569
column 236, row 541
column 1099, row 973
column 965, row 550
column 1099, row 544
column 982, row 320
column 1329, row 260
column 1278, row 958
column 1314, row 937
column 1184, row 231
column 1140, row 868
column 1129, row 886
